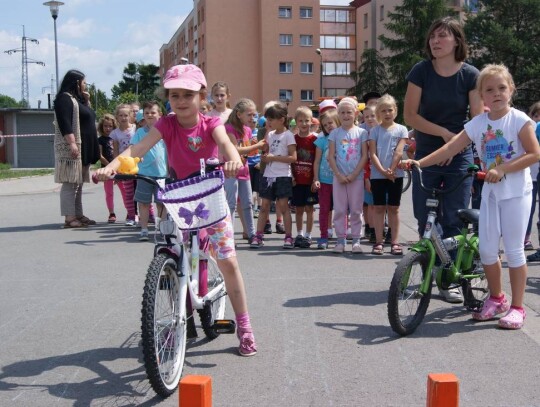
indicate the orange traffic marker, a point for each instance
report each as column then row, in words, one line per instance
column 442, row 390
column 195, row 391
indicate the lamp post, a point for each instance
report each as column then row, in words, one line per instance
column 137, row 77
column 318, row 51
column 54, row 6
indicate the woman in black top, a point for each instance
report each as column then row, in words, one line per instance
column 75, row 146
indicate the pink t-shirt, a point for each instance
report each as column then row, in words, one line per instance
column 244, row 141
column 186, row 146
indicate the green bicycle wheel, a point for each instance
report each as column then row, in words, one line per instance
column 407, row 306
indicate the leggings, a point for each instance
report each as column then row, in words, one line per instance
column 325, row 206
column 127, row 188
column 507, row 219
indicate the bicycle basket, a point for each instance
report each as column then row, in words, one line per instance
column 197, row 202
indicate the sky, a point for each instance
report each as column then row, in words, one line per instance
column 98, row 37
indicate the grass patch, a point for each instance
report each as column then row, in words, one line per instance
column 6, row 172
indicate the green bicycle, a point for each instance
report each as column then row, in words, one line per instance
column 410, row 290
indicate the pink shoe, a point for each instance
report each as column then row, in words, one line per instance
column 513, row 320
column 247, row 347
column 491, row 309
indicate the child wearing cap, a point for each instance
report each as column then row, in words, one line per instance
column 190, row 136
column 347, row 155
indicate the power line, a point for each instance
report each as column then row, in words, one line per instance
column 25, row 97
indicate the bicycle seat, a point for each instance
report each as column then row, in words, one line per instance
column 468, row 215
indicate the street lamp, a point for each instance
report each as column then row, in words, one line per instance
column 54, row 7
column 137, row 77
column 318, row 51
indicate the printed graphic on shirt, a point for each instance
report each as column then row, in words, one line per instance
column 349, row 149
column 274, row 147
column 495, row 148
column 195, row 143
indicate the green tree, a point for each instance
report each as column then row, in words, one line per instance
column 370, row 75
column 409, row 24
column 100, row 103
column 8, row 102
column 507, row 32
column 144, row 88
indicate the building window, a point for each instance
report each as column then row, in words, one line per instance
column 285, row 12
column 335, row 42
column 337, row 16
column 285, row 67
column 342, row 16
column 306, row 12
column 366, row 20
column 333, row 92
column 306, row 95
column 306, row 67
column 336, row 68
column 285, row 39
column 285, row 94
column 366, row 45
column 306, row 40
column 381, row 13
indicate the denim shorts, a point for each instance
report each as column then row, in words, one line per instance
column 144, row 192
column 281, row 187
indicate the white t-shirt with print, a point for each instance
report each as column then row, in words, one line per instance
column 497, row 142
column 123, row 137
column 278, row 144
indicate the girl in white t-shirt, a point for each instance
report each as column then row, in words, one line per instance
column 276, row 182
column 507, row 147
column 221, row 97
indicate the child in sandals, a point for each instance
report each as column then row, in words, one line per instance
column 507, row 147
column 386, row 142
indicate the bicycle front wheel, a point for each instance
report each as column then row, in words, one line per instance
column 407, row 306
column 406, row 180
column 163, row 326
column 215, row 307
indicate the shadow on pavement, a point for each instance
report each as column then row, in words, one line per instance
column 361, row 298
column 114, row 388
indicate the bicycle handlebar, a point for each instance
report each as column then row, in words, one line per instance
column 472, row 171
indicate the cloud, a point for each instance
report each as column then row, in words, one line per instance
column 74, row 28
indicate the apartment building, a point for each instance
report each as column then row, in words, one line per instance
column 268, row 49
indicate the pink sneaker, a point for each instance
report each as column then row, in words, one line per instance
column 491, row 309
column 513, row 320
column 247, row 347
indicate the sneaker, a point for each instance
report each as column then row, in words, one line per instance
column 288, row 243
column 247, row 347
column 268, row 228
column 356, row 248
column 256, row 242
column 513, row 319
column 143, row 237
column 528, row 245
column 255, row 213
column 304, row 243
column 297, row 240
column 280, row 228
column 535, row 256
column 112, row 218
column 339, row 248
column 322, row 244
column 130, row 222
column 452, row 295
column 491, row 309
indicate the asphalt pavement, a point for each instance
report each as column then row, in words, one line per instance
column 70, row 322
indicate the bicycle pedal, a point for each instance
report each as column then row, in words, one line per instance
column 224, row 326
column 474, row 305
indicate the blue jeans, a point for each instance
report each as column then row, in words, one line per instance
column 448, row 176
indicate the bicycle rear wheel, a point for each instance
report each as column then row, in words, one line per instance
column 407, row 306
column 163, row 325
column 215, row 308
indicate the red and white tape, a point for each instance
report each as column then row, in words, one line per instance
column 4, row 136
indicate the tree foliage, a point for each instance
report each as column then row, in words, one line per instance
column 8, row 102
column 507, row 32
column 371, row 74
column 144, row 88
column 409, row 24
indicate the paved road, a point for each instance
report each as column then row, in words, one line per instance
column 70, row 309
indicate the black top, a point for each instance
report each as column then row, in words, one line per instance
column 63, row 107
column 444, row 101
column 107, row 148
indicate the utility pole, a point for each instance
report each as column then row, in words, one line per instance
column 25, row 97
column 52, row 89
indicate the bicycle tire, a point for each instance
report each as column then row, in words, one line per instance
column 215, row 309
column 403, row 294
column 163, row 325
column 407, row 179
column 478, row 285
